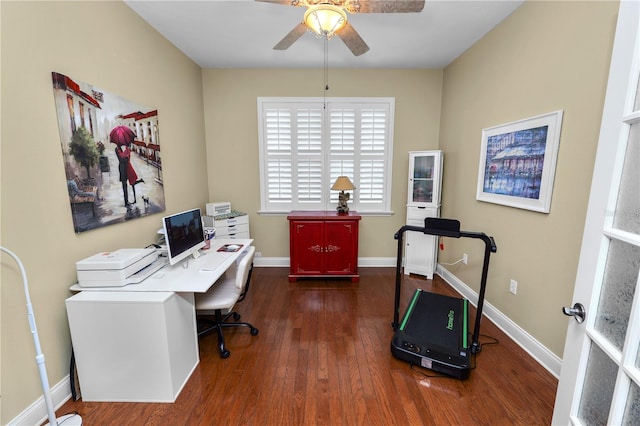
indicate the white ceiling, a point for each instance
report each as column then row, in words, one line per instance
column 242, row 33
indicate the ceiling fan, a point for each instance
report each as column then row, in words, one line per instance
column 327, row 18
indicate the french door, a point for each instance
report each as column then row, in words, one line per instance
column 600, row 377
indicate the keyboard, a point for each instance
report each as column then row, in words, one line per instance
column 147, row 271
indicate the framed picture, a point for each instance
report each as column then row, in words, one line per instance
column 518, row 162
column 111, row 153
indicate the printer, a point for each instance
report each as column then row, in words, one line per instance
column 118, row 268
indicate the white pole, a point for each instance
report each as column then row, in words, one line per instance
column 39, row 355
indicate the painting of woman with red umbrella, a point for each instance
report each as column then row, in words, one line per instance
column 123, row 136
column 90, row 119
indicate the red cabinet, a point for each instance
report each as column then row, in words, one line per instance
column 323, row 243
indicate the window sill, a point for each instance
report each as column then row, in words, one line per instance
column 286, row 212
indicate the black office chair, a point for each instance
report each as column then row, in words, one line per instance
column 222, row 297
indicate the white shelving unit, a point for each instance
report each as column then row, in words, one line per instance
column 423, row 200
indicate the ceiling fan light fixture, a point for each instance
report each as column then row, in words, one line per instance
column 325, row 19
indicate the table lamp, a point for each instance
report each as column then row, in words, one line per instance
column 343, row 184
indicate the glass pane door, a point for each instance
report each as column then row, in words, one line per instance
column 423, row 179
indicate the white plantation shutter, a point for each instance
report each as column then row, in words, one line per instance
column 277, row 143
column 373, row 167
column 342, row 141
column 308, row 157
column 305, row 146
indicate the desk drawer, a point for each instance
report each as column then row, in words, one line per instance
column 417, row 213
column 221, row 223
column 232, row 230
column 238, row 236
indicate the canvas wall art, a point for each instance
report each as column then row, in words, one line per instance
column 111, row 153
column 518, row 162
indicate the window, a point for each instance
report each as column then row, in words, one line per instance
column 305, row 146
column 71, row 110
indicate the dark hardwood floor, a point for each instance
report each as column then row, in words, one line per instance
column 323, row 357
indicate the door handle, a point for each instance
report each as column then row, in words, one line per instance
column 577, row 312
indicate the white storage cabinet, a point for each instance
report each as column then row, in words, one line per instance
column 423, row 200
column 133, row 346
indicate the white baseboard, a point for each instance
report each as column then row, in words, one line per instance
column 36, row 413
column 377, row 262
column 271, row 262
column 550, row 361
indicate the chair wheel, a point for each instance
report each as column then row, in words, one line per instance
column 254, row 331
column 236, row 316
column 225, row 354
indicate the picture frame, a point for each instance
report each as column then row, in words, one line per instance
column 111, row 154
column 518, row 162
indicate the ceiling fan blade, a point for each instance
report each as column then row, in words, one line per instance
column 385, row 6
column 284, row 2
column 352, row 39
column 290, row 38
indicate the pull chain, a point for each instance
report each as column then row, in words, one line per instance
column 326, row 71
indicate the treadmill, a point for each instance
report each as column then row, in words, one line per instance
column 434, row 330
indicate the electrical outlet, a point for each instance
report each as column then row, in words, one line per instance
column 258, row 254
column 464, row 258
column 513, row 286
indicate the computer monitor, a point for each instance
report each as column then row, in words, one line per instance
column 184, row 234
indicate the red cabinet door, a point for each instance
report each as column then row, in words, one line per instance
column 307, row 247
column 340, row 254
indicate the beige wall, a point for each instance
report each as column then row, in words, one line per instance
column 232, row 139
column 547, row 56
column 106, row 44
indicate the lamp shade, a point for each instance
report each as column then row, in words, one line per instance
column 325, row 19
column 343, row 184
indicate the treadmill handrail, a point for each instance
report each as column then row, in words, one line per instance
column 490, row 247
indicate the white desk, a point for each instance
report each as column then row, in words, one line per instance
column 197, row 277
column 139, row 343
